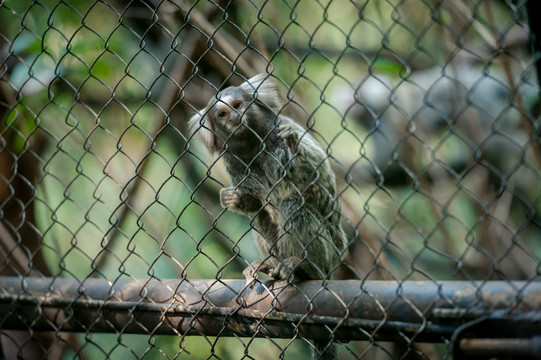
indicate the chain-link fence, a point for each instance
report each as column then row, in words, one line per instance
column 118, row 240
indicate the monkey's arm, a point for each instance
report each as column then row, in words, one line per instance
column 301, row 144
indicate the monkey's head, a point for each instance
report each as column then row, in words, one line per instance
column 238, row 114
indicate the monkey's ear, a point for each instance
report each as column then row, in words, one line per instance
column 199, row 124
column 264, row 90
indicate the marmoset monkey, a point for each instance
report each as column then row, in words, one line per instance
column 281, row 178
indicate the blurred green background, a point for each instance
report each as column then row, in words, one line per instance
column 422, row 106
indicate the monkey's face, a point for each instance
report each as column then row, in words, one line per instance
column 239, row 114
column 232, row 118
column 228, row 113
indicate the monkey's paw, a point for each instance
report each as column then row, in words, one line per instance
column 250, row 273
column 285, row 268
column 289, row 134
column 280, row 272
column 229, row 197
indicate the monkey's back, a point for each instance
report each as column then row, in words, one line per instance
column 300, row 213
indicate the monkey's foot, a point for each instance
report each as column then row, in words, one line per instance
column 229, row 197
column 290, row 135
column 250, row 273
column 284, row 269
column 280, row 272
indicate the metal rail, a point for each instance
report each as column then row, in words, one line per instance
column 341, row 310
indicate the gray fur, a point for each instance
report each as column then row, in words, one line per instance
column 281, row 178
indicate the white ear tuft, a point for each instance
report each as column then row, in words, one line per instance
column 199, row 124
column 263, row 89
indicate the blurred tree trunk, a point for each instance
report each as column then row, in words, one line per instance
column 20, row 240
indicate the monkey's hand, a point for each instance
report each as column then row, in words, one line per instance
column 290, row 135
column 277, row 269
column 237, row 200
column 229, row 198
column 284, row 269
column 250, row 273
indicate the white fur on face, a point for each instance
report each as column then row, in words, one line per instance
column 200, row 124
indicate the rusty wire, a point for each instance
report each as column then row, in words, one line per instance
column 428, row 111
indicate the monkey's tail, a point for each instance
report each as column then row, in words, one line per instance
column 324, row 350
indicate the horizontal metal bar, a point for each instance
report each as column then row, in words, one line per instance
column 501, row 348
column 343, row 310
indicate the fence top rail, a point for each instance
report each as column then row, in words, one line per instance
column 346, row 307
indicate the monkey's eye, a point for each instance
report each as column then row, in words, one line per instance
column 236, row 104
column 221, row 114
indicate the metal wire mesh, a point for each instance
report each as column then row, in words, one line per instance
column 428, row 112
